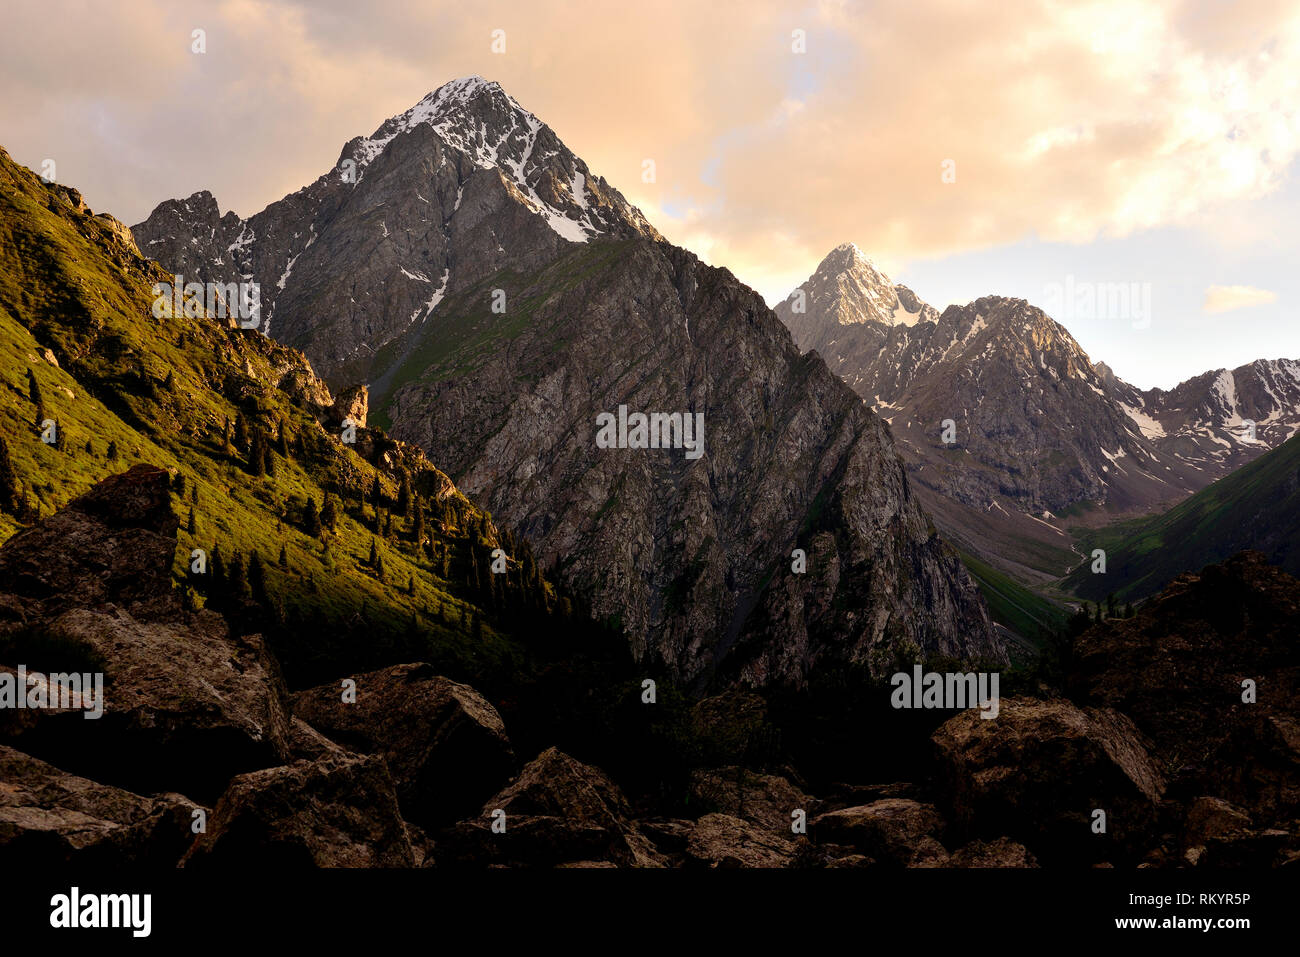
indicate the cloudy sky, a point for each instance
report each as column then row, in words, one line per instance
column 1018, row 148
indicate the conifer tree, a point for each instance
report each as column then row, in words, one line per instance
column 257, row 454
column 257, row 579
column 404, row 497
column 8, row 480
column 35, row 394
column 238, row 577
column 216, row 570
column 311, row 519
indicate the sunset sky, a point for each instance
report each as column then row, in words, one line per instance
column 1108, row 142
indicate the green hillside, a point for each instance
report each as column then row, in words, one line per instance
column 1021, row 609
column 1255, row 507
column 401, row 572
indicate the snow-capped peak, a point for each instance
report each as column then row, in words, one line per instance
column 477, row 118
column 455, row 113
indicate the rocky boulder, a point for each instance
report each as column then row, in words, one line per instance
column 558, row 810
column 445, row 745
column 1003, row 852
column 339, row 811
column 1180, row 666
column 1040, row 770
column 186, row 703
column 894, row 830
column 113, row 544
column 723, row 841
column 50, row 815
column 766, row 800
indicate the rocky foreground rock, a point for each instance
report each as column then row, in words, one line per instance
column 445, row 745
column 188, row 702
column 203, row 760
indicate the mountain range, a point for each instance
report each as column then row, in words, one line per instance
column 497, row 298
column 1040, row 436
column 639, row 655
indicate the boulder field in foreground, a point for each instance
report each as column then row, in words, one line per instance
column 418, row 770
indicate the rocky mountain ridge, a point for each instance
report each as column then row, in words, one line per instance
column 535, row 332
column 1038, row 430
column 460, row 185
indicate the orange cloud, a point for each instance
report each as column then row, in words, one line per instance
column 1064, row 121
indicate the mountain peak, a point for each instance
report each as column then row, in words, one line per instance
column 848, row 257
column 471, row 113
column 848, row 289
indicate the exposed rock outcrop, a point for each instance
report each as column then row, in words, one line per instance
column 893, row 830
column 187, row 703
column 557, row 810
column 48, row 815
column 444, row 743
column 339, row 811
column 1041, row 770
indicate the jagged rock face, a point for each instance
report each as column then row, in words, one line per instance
column 339, row 811
column 693, row 556
column 848, row 289
column 49, row 815
column 186, row 703
column 1038, row 771
column 1039, row 426
column 446, row 746
column 463, row 184
column 897, row 831
column 1178, row 669
column 558, row 810
column 1034, row 427
column 1205, row 420
column 351, row 405
column 497, row 299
